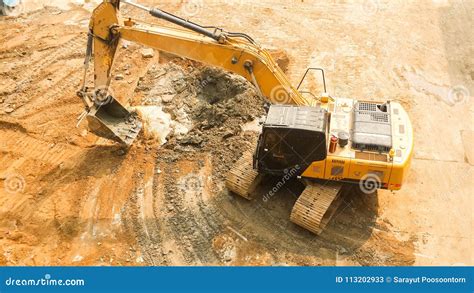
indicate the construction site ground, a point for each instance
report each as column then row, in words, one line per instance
column 70, row 198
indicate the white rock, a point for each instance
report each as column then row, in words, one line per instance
column 167, row 98
column 9, row 110
column 156, row 123
column 148, row 53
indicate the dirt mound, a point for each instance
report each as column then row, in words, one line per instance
column 207, row 107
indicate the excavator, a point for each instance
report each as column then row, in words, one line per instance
column 326, row 142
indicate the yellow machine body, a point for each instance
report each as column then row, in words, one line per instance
column 388, row 170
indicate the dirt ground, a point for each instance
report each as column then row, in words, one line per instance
column 70, row 198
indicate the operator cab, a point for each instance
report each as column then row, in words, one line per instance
column 292, row 138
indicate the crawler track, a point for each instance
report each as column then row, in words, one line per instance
column 242, row 179
column 316, row 205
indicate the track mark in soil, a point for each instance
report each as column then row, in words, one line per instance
column 50, row 153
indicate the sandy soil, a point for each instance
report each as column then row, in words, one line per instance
column 69, row 198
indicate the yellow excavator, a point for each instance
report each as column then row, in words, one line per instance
column 323, row 140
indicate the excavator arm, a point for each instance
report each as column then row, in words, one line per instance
column 234, row 52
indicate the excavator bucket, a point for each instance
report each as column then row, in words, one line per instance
column 115, row 122
column 105, row 115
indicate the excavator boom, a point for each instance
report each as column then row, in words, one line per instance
column 234, row 52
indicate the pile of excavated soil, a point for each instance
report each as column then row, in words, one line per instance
column 207, row 107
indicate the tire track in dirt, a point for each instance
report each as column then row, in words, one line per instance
column 267, row 225
column 181, row 217
column 35, row 149
column 146, row 225
column 347, row 233
column 88, row 218
column 51, row 97
column 67, row 84
column 22, row 156
column 165, row 219
column 99, row 235
column 28, row 77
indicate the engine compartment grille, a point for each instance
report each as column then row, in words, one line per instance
column 372, row 127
